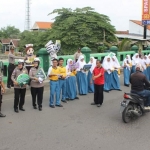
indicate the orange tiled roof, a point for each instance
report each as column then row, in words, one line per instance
column 140, row 23
column 44, row 25
column 122, row 32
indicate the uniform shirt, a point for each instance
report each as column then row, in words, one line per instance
column 12, row 57
column 97, row 71
column 53, row 71
column 16, row 73
column 137, row 80
column 77, row 55
column 62, row 70
column 34, row 83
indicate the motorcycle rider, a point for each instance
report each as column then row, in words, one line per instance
column 138, row 80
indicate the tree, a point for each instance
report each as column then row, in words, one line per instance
column 39, row 39
column 9, row 32
column 81, row 27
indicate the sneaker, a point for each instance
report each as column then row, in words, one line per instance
column 147, row 108
column 2, row 115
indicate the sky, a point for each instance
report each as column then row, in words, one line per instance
column 12, row 12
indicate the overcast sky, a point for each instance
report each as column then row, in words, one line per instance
column 12, row 12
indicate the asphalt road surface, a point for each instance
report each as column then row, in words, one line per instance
column 76, row 126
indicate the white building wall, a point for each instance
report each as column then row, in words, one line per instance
column 136, row 29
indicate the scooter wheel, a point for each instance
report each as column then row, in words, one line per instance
column 126, row 116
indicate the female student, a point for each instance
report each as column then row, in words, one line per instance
column 71, row 92
column 89, row 76
column 82, row 77
column 127, row 69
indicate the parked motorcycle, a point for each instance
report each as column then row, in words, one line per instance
column 132, row 107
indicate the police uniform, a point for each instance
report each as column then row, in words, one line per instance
column 19, row 92
column 11, row 67
column 54, row 87
column 37, row 88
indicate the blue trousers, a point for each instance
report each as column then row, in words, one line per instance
column 146, row 94
column 126, row 72
column 90, row 86
column 62, row 86
column 54, row 89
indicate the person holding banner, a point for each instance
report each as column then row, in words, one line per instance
column 89, row 76
column 19, row 87
column 71, row 87
column 2, row 90
column 62, row 80
column 37, row 77
column 54, row 74
column 82, row 77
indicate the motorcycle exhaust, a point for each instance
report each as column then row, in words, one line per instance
column 135, row 113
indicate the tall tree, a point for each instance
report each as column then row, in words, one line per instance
column 9, row 32
column 81, row 27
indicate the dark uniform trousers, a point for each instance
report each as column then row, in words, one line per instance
column 98, row 94
column 19, row 98
column 11, row 68
column 0, row 99
column 37, row 92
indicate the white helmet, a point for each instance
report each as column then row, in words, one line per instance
column 37, row 59
column 20, row 61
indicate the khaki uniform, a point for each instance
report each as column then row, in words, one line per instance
column 77, row 55
column 37, row 88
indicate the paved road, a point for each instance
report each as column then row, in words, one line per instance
column 76, row 126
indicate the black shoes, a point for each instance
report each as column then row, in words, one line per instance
column 2, row 115
column 16, row 110
column 34, row 107
column 93, row 104
column 52, row 106
column 22, row 109
column 76, row 97
column 64, row 101
column 8, row 86
column 40, row 108
column 59, row 105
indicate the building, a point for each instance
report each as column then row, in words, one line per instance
column 6, row 43
column 41, row 26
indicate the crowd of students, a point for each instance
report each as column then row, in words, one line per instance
column 66, row 84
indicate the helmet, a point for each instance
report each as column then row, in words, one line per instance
column 36, row 59
column 20, row 61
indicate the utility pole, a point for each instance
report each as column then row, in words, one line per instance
column 27, row 18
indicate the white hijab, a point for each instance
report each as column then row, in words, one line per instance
column 135, row 60
column 93, row 64
column 115, row 63
column 148, row 59
column 81, row 63
column 143, row 63
column 107, row 65
column 125, row 61
column 67, row 67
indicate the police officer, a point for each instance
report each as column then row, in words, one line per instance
column 2, row 90
column 11, row 66
column 37, row 87
column 19, row 92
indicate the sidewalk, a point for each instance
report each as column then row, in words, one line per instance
column 11, row 90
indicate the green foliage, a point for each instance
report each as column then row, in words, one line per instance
column 81, row 27
column 101, row 49
column 9, row 32
column 124, row 45
column 39, row 39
